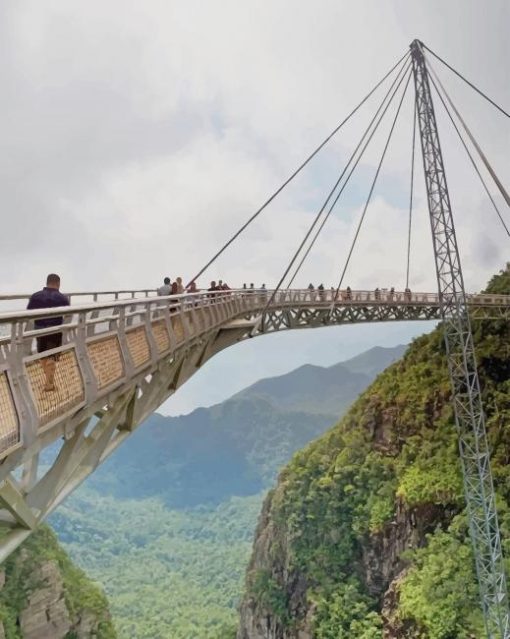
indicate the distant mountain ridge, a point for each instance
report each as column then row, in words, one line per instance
column 327, row 390
column 236, row 448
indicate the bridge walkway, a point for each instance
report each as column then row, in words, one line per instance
column 123, row 354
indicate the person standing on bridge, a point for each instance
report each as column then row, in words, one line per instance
column 49, row 297
column 166, row 289
column 213, row 289
column 180, row 286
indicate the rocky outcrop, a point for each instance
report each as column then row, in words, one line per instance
column 44, row 596
column 365, row 534
column 258, row 617
column 45, row 615
column 378, row 561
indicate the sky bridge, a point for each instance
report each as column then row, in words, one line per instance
column 123, row 353
column 120, row 359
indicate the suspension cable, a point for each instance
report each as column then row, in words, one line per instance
column 482, row 155
column 413, row 151
column 399, row 78
column 298, row 170
column 371, row 189
column 467, row 81
column 498, row 212
column 319, row 214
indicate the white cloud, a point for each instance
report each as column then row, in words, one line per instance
column 138, row 136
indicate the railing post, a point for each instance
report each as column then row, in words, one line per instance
column 129, row 367
column 150, row 335
column 21, row 388
column 84, row 363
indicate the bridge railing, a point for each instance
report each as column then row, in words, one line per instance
column 106, row 344
column 18, row 301
column 103, row 346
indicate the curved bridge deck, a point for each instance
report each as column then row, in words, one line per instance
column 123, row 354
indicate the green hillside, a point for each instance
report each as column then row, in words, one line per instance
column 237, row 447
column 167, row 524
column 44, row 594
column 367, row 528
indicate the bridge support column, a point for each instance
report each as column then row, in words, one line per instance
column 467, row 400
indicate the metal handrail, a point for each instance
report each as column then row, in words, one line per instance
column 290, row 296
column 132, row 292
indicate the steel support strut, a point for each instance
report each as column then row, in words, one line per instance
column 469, row 416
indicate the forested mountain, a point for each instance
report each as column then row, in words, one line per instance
column 167, row 524
column 44, row 596
column 325, row 390
column 366, row 533
column 236, row 448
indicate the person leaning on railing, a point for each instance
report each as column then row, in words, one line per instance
column 49, row 297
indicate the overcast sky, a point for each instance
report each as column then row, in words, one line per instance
column 137, row 136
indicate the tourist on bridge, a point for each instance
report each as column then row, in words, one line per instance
column 175, row 288
column 407, row 294
column 377, row 294
column 213, row 289
column 391, row 294
column 192, row 288
column 166, row 289
column 49, row 297
column 180, row 286
column 321, row 291
column 223, row 286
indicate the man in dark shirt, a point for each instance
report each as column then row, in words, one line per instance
column 48, row 297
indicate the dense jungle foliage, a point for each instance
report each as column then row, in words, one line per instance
column 166, row 525
column 394, row 452
column 168, row 573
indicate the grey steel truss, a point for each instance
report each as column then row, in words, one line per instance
column 469, row 415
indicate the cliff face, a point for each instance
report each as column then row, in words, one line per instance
column 365, row 535
column 44, row 596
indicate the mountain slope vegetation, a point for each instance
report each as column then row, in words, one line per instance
column 366, row 532
column 167, row 524
column 43, row 595
column 237, row 447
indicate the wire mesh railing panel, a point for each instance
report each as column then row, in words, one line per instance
column 68, row 391
column 9, row 424
column 138, row 346
column 178, row 328
column 106, row 358
column 161, row 337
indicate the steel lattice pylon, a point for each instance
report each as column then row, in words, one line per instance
column 469, row 415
